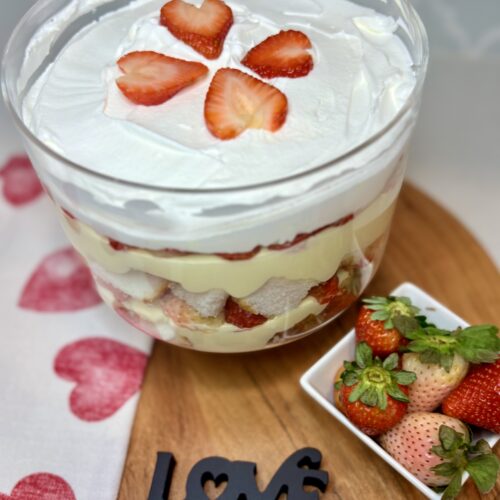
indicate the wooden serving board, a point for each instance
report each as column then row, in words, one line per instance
column 250, row 407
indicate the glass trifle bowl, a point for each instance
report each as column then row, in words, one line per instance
column 221, row 246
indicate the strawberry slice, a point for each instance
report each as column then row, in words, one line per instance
column 236, row 102
column 327, row 291
column 283, row 55
column 305, row 236
column 237, row 316
column 241, row 255
column 203, row 28
column 152, row 78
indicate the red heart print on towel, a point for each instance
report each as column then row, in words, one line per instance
column 41, row 487
column 61, row 283
column 107, row 374
column 20, row 182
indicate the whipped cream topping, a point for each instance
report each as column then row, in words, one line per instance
column 362, row 76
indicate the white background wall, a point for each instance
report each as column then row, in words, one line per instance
column 456, row 150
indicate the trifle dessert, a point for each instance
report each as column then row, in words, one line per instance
column 228, row 169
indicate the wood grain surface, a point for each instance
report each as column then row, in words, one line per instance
column 250, row 407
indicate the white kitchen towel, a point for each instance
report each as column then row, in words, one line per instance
column 70, row 369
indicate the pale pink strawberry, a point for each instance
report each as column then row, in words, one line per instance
column 437, row 450
column 410, row 442
column 433, row 382
column 440, row 358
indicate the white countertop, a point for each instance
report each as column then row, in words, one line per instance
column 456, row 149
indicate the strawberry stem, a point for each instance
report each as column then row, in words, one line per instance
column 476, row 344
column 460, row 455
column 388, row 308
column 373, row 379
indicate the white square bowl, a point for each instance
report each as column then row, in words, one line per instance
column 318, row 380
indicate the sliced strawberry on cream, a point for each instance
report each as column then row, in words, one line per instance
column 286, row 54
column 203, row 28
column 152, row 78
column 236, row 102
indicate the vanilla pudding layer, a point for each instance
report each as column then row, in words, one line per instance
column 218, row 337
column 362, row 77
column 182, row 299
column 316, row 259
column 169, row 319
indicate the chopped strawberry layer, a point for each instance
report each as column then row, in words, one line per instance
column 304, row 236
column 340, row 303
column 117, row 246
column 327, row 291
column 240, row 256
column 237, row 316
column 68, row 214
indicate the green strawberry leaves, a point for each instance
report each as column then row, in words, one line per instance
column 460, row 455
column 454, row 487
column 404, row 378
column 484, row 470
column 373, row 381
column 446, row 469
column 481, row 448
column 406, row 325
column 448, row 437
column 386, row 309
column 396, row 393
column 351, row 378
column 391, row 362
column 364, row 355
column 476, row 344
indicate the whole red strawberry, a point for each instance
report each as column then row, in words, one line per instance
column 373, row 394
column 477, row 399
column 375, row 324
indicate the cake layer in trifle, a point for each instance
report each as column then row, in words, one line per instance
column 210, row 300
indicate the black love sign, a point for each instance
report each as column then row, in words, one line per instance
column 301, row 469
